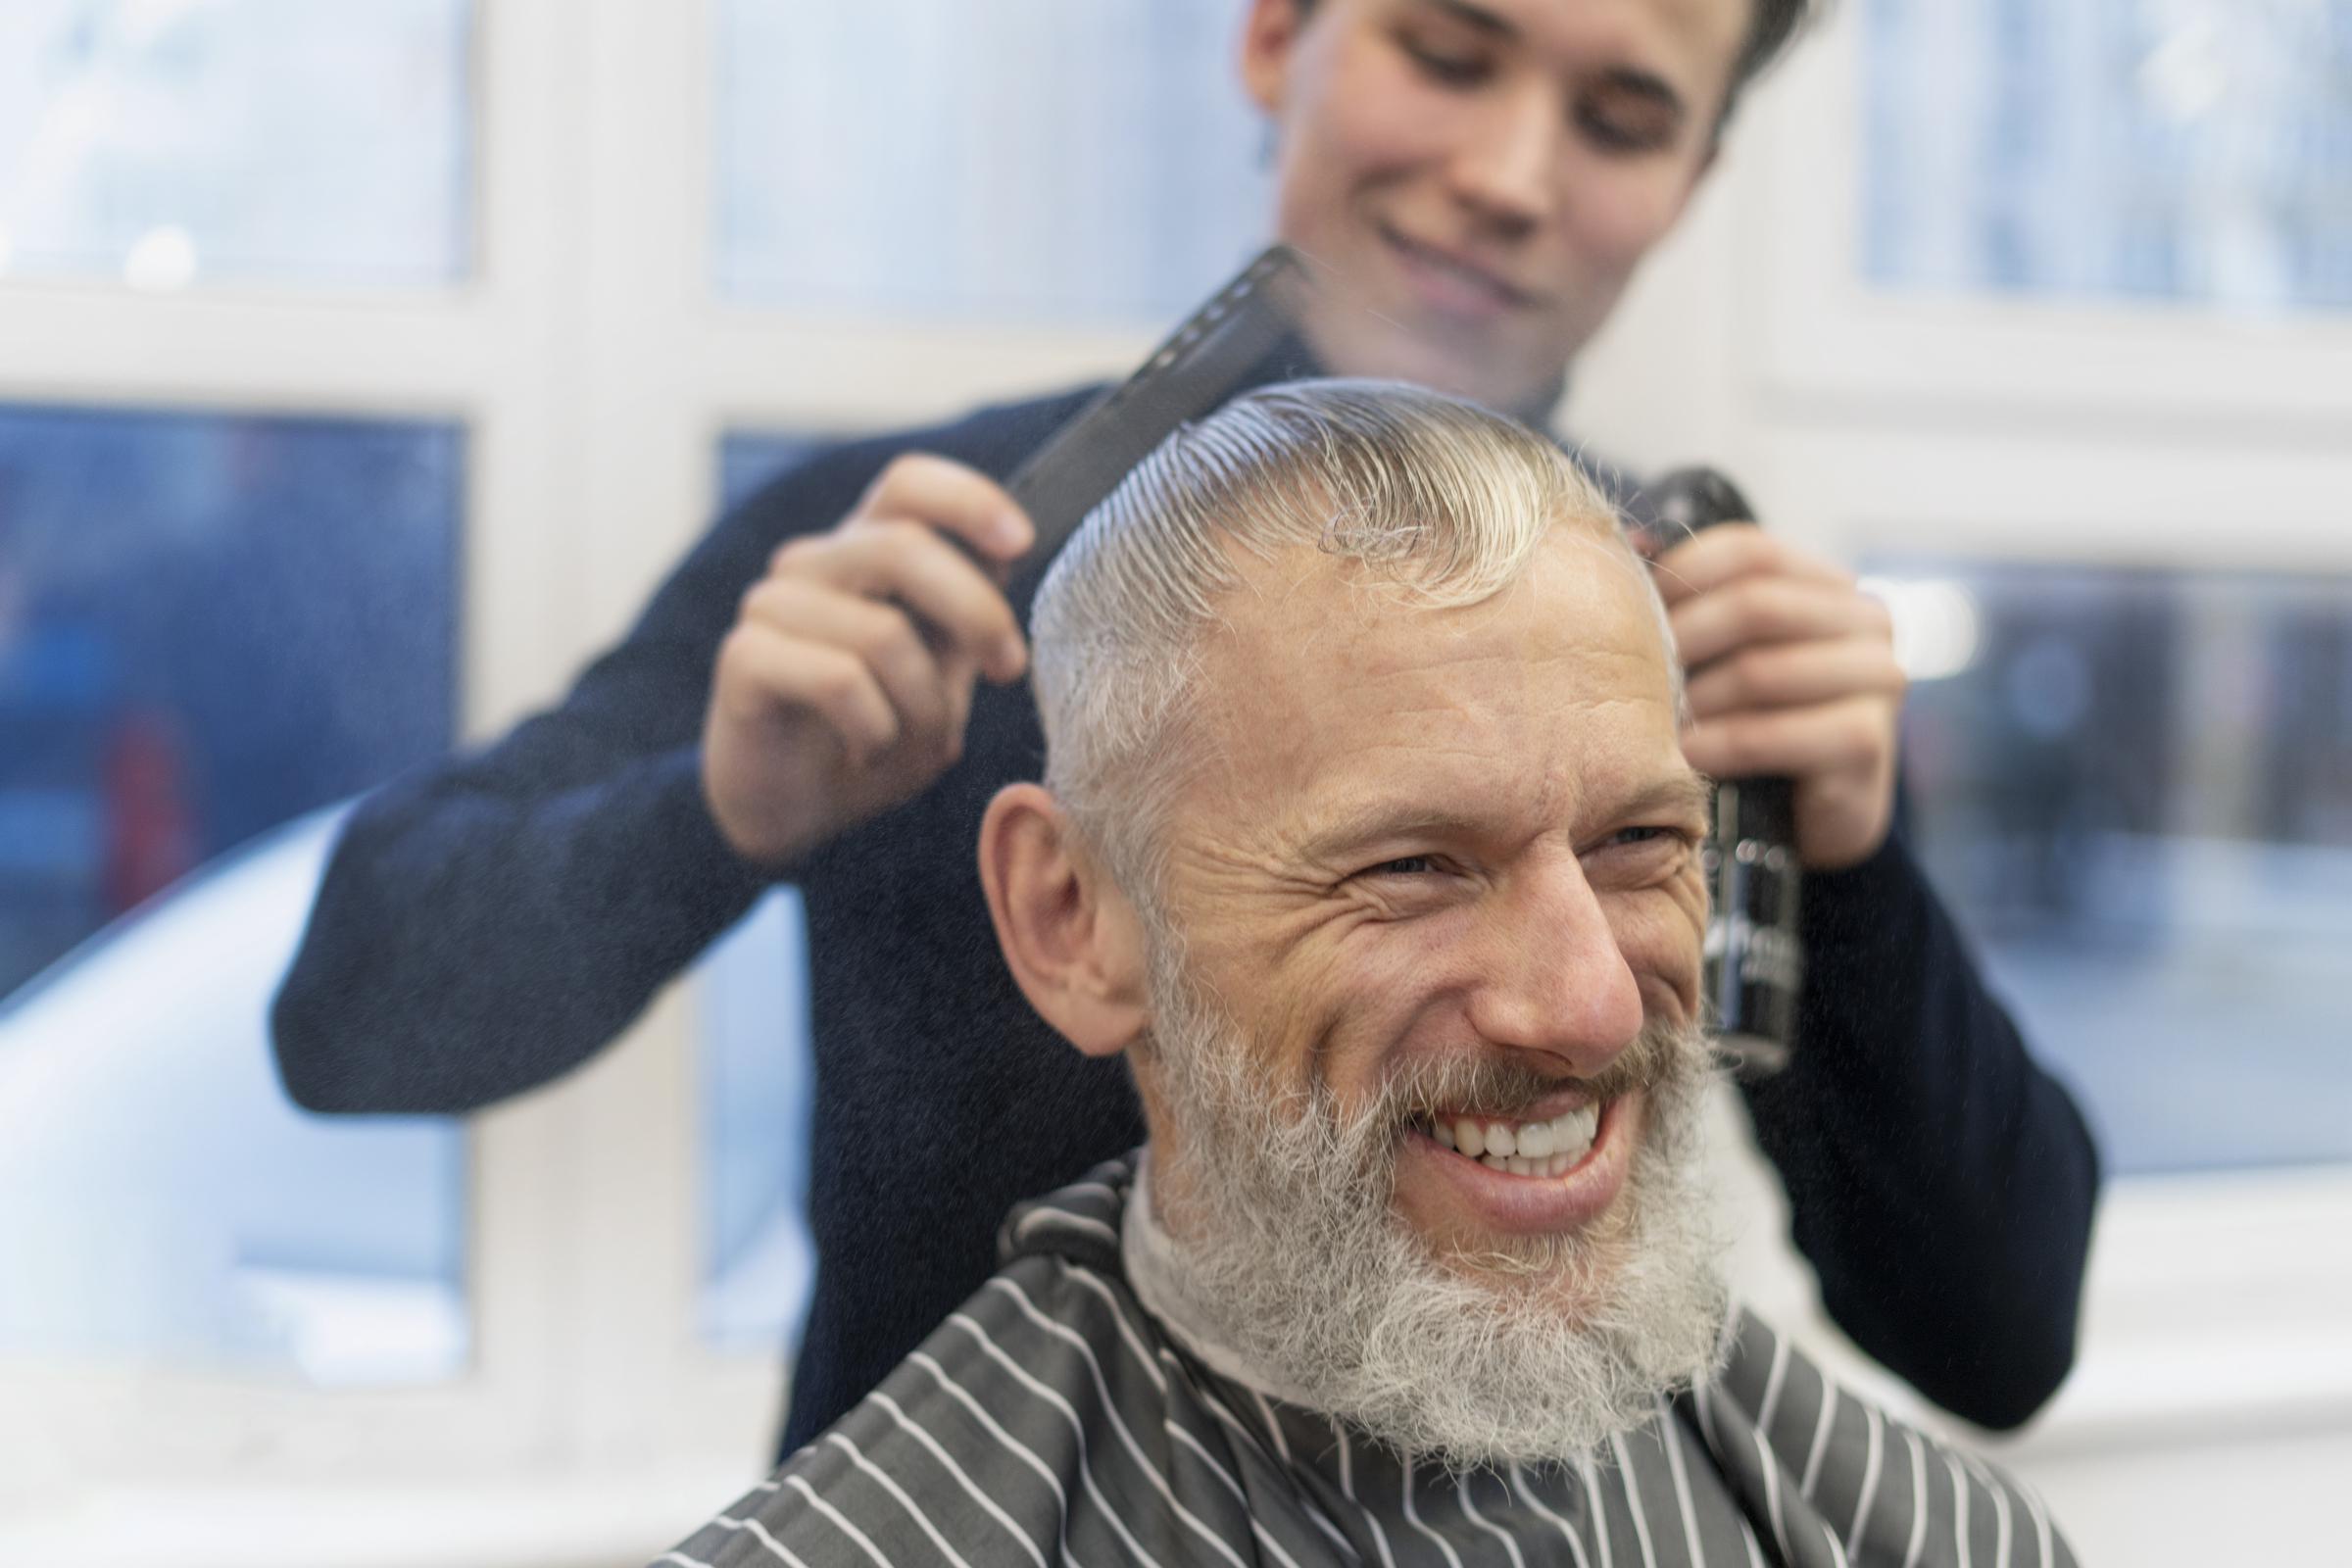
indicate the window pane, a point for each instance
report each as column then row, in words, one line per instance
column 209, row 627
column 2136, row 789
column 1041, row 159
column 757, row 1260
column 2199, row 150
column 752, row 998
column 253, row 140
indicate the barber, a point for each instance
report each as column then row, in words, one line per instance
column 828, row 691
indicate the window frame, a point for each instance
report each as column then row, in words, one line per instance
column 594, row 371
column 1835, row 337
column 468, row 355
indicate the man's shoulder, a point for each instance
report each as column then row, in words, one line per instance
column 1051, row 1344
column 1080, row 1221
column 1056, row 1333
column 1038, row 1412
column 1819, row 1464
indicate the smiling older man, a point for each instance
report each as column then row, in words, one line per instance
column 1366, row 837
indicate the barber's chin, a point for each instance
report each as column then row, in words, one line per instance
column 1429, row 353
column 1448, row 1195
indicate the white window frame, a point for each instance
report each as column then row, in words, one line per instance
column 472, row 355
column 594, row 372
column 1833, row 336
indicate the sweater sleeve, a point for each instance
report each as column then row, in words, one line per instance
column 1940, row 1183
column 488, row 924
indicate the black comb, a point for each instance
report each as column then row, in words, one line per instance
column 1229, row 343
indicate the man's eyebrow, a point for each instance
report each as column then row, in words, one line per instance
column 1631, row 79
column 1685, row 794
column 1478, row 17
column 1385, row 819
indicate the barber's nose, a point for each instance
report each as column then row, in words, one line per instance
column 1555, row 980
column 1508, row 170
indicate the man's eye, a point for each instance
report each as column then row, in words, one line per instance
column 1651, row 834
column 1403, row 865
column 1616, row 128
column 1447, row 66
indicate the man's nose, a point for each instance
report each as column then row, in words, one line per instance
column 1555, row 980
column 1508, row 170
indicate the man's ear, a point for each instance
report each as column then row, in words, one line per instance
column 1069, row 934
column 1269, row 38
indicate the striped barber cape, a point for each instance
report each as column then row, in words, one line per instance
column 1054, row 1421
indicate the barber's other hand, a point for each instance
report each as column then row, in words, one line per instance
column 1791, row 675
column 844, row 687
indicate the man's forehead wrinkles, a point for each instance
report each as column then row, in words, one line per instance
column 1443, row 802
column 1434, row 725
column 1286, row 631
column 1373, row 689
column 1458, row 777
column 1442, row 720
column 1505, row 667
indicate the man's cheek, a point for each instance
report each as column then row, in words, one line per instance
column 1385, row 114
column 1662, row 936
column 1689, row 890
column 1308, row 1020
column 1395, row 997
column 1619, row 231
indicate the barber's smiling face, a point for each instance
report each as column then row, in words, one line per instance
column 1464, row 833
column 1483, row 175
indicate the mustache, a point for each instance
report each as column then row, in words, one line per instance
column 1507, row 1086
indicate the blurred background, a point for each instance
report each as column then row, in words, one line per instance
column 363, row 365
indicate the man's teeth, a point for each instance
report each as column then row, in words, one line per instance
column 1523, row 1149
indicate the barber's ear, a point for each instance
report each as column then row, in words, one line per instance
column 1069, row 934
column 1269, row 38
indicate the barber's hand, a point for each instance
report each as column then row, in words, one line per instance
column 1792, row 675
column 845, row 685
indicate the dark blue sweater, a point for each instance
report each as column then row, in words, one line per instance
column 490, row 924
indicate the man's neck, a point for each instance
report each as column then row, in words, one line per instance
column 1155, row 1271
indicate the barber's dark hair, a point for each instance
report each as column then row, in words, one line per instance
column 1772, row 25
column 1769, row 31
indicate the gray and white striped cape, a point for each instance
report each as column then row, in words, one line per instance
column 1051, row 1421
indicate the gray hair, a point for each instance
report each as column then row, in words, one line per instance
column 1433, row 498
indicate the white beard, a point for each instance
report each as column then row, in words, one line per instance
column 1290, row 1252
